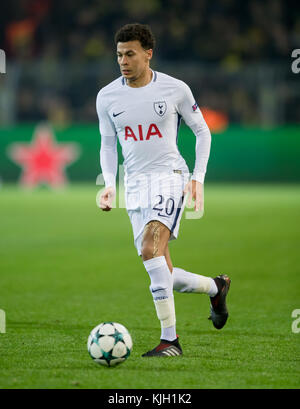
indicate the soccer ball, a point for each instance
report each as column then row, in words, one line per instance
column 109, row 344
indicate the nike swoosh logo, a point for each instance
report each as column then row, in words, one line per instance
column 158, row 289
column 119, row 113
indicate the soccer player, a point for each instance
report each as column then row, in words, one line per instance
column 143, row 108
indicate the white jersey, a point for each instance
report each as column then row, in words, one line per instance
column 146, row 122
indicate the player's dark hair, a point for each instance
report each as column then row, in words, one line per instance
column 136, row 31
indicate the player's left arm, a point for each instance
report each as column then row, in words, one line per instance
column 189, row 110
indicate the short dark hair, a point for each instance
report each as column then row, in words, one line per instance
column 136, row 31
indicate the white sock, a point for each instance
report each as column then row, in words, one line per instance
column 161, row 288
column 169, row 333
column 185, row 282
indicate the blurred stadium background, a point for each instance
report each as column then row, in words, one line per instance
column 56, row 247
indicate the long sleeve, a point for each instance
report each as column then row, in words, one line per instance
column 203, row 142
column 109, row 159
column 193, row 117
column 108, row 150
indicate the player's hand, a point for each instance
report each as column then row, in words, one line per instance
column 194, row 190
column 107, row 198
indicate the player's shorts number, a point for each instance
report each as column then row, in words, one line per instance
column 166, row 207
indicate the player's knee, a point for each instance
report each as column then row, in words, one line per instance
column 150, row 249
column 147, row 250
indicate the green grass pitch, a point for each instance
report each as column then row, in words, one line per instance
column 65, row 266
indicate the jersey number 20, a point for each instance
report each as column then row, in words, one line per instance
column 166, row 207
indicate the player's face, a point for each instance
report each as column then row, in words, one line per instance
column 133, row 59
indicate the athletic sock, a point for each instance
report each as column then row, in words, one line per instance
column 161, row 288
column 186, row 282
column 169, row 334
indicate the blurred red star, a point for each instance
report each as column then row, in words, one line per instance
column 43, row 160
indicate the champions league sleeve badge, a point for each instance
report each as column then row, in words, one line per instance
column 195, row 106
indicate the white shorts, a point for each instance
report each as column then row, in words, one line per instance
column 155, row 197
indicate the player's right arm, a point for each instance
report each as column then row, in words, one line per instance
column 108, row 154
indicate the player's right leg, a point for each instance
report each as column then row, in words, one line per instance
column 155, row 239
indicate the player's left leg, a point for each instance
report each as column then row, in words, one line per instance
column 216, row 288
column 186, row 282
